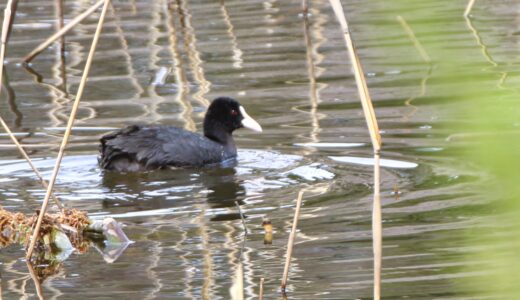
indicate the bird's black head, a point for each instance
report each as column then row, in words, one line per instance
column 224, row 115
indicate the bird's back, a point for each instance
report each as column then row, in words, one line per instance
column 139, row 148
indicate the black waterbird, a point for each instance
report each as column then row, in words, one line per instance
column 147, row 147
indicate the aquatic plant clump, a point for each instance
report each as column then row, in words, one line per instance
column 17, row 228
column 13, row 226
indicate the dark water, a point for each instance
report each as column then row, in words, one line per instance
column 162, row 62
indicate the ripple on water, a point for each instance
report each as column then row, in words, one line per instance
column 80, row 179
column 266, row 160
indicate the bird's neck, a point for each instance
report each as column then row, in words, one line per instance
column 222, row 137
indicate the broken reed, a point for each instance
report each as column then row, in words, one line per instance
column 368, row 110
column 261, row 291
column 68, row 130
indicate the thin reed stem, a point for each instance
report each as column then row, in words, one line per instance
column 290, row 242
column 261, row 292
column 377, row 228
column 361, row 83
column 368, row 110
column 28, row 159
column 60, row 23
column 11, row 5
column 68, row 129
column 469, row 7
column 62, row 31
column 5, row 31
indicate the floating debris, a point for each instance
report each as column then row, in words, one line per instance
column 268, row 228
column 63, row 233
column 161, row 76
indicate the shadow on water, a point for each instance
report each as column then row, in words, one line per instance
column 220, row 184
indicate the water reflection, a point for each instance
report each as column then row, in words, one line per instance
column 11, row 100
column 179, row 73
column 190, row 46
column 220, row 185
column 237, row 52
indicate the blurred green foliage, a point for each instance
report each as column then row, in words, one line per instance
column 479, row 75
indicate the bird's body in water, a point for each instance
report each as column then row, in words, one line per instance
column 147, row 147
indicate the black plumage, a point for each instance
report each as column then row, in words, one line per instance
column 147, row 147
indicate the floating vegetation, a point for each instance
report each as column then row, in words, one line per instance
column 61, row 234
column 11, row 225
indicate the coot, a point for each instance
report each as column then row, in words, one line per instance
column 147, row 147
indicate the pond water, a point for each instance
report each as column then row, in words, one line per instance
column 164, row 61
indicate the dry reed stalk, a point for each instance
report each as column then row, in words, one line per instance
column 261, row 292
column 62, row 32
column 237, row 288
column 61, row 69
column 377, row 228
column 28, row 159
column 313, row 86
column 366, row 102
column 5, row 31
column 290, row 242
column 368, row 110
column 12, row 6
column 469, row 7
column 60, row 23
column 68, row 130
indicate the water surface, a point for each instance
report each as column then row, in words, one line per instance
column 164, row 61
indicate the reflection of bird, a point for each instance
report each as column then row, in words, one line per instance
column 140, row 148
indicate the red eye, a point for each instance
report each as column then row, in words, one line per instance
column 234, row 112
